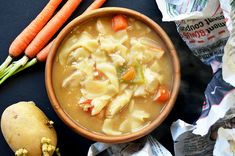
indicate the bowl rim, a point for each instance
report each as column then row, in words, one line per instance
column 98, row 136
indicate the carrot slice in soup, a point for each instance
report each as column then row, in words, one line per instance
column 119, row 22
column 129, row 74
column 163, row 94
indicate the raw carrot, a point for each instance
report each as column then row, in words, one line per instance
column 119, row 22
column 28, row 34
column 129, row 74
column 95, row 5
column 163, row 94
column 42, row 55
column 20, row 65
column 51, row 28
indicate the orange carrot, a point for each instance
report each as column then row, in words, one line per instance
column 42, row 55
column 163, row 94
column 51, row 28
column 28, row 34
column 95, row 5
column 55, row 23
column 129, row 74
column 119, row 22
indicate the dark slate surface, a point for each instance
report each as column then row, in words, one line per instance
column 30, row 85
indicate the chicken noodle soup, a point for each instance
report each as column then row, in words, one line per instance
column 112, row 75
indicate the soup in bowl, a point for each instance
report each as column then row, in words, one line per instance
column 112, row 75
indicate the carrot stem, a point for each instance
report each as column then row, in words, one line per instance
column 5, row 71
column 5, row 63
column 15, row 67
column 27, row 65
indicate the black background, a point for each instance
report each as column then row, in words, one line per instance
column 29, row 85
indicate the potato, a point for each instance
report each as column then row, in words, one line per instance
column 24, row 125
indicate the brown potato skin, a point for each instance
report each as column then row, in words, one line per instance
column 23, row 125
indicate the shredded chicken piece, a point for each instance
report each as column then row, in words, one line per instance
column 73, row 79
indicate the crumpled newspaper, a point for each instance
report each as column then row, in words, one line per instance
column 218, row 111
column 205, row 26
column 201, row 24
column 147, row 146
column 175, row 10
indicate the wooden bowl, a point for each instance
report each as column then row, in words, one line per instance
column 102, row 137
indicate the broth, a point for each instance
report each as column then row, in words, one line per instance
column 108, row 81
